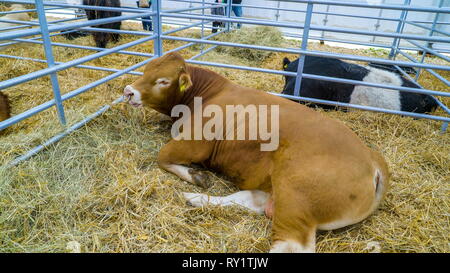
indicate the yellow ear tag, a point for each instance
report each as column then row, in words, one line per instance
column 285, row 66
column 182, row 88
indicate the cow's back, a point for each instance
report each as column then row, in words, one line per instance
column 304, row 135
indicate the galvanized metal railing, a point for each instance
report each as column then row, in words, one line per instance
column 196, row 16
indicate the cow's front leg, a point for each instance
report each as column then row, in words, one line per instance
column 177, row 156
column 188, row 174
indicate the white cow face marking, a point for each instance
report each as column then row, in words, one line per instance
column 133, row 96
column 158, row 89
column 161, row 84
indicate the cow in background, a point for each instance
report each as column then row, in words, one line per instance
column 359, row 94
column 102, row 38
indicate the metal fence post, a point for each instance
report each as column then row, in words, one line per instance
column 301, row 61
column 228, row 9
column 52, row 28
column 50, row 60
column 429, row 45
column 325, row 21
column 157, row 28
column 444, row 125
column 190, row 11
column 400, row 27
column 202, row 46
column 377, row 24
column 433, row 26
column 277, row 14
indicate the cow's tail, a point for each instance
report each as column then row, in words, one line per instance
column 380, row 178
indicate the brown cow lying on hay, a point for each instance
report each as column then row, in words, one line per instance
column 321, row 176
column 5, row 110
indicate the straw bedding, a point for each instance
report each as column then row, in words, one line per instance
column 101, row 189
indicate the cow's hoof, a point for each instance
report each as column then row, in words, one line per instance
column 195, row 199
column 199, row 178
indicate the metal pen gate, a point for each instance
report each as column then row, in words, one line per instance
column 196, row 16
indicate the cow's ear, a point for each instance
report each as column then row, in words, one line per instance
column 184, row 81
column 286, row 62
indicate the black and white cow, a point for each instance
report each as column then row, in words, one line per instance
column 359, row 94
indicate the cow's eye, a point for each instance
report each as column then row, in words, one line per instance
column 163, row 82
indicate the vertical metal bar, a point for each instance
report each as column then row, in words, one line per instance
column 277, row 15
column 202, row 46
column 444, row 127
column 228, row 9
column 429, row 45
column 190, row 11
column 400, row 27
column 377, row 24
column 433, row 26
column 301, row 61
column 157, row 28
column 325, row 21
column 50, row 60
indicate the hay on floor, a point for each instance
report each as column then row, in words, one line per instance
column 100, row 187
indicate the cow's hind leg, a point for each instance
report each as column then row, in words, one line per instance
column 253, row 200
column 293, row 246
column 294, row 226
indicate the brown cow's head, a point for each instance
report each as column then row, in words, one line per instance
column 164, row 81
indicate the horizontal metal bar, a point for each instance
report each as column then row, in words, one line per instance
column 443, row 106
column 431, row 22
column 429, row 50
column 63, row 5
column 319, row 38
column 56, row 68
column 355, row 4
column 16, row 41
column 22, row 11
column 118, row 31
column 324, row 78
column 182, row 28
column 193, row 43
column 37, row 23
column 372, row 6
column 19, row 22
column 319, row 12
column 429, row 28
column 106, row 69
column 442, row 79
column 311, row 53
column 17, row 34
column 192, row 9
column 15, row 119
column 334, row 14
column 325, row 39
column 363, row 107
column 134, row 53
column 313, row 27
column 202, row 53
column 61, row 135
